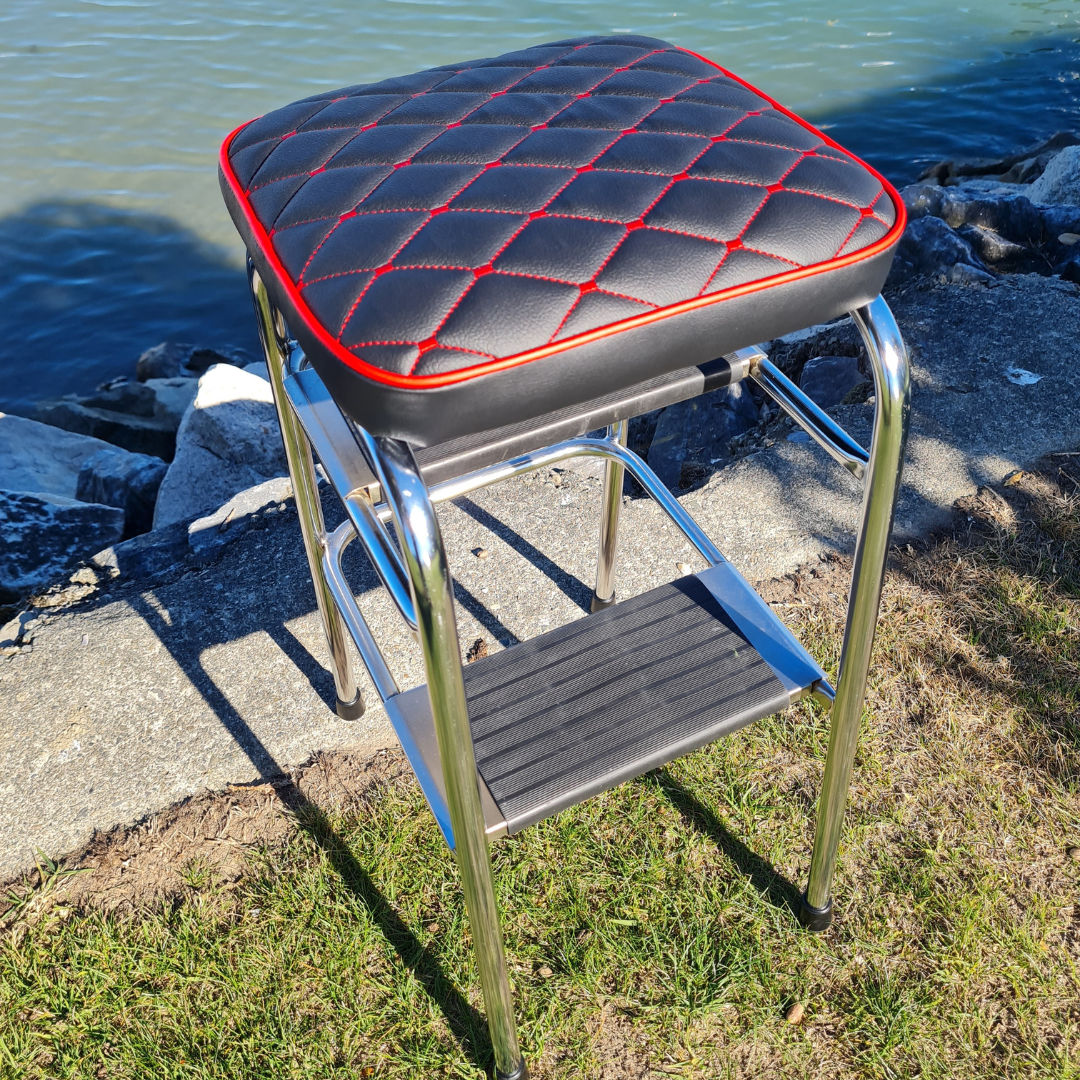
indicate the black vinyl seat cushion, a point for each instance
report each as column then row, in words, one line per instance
column 488, row 241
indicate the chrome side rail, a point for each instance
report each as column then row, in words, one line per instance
column 337, row 449
column 609, row 448
column 385, row 684
column 817, row 423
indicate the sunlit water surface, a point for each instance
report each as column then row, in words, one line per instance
column 113, row 235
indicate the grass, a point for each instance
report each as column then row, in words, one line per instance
column 650, row 930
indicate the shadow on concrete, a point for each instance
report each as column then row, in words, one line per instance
column 566, row 582
column 769, row 882
column 86, row 288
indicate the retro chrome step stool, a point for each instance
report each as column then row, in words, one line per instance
column 459, row 273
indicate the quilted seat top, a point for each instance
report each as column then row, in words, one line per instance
column 441, row 225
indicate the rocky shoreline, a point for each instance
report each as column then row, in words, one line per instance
column 171, row 466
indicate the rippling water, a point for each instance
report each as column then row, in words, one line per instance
column 113, row 235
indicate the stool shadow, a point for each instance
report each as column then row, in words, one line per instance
column 467, row 1025
column 321, row 680
column 769, row 882
column 490, row 622
column 567, row 583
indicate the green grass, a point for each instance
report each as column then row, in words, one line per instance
column 650, row 930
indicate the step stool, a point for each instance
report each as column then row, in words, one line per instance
column 457, row 275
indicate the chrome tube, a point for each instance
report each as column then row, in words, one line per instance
column 385, row 684
column 350, row 705
column 604, row 593
column 892, row 386
column 381, row 551
column 817, row 423
column 583, row 447
column 425, row 558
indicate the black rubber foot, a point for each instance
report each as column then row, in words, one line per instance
column 520, row 1073
column 815, row 919
column 352, row 710
column 596, row 604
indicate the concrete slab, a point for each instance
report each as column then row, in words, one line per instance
column 195, row 678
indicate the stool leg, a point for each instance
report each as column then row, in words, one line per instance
column 604, row 593
column 421, row 541
column 892, row 386
column 350, row 705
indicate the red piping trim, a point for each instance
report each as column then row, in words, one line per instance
column 423, row 382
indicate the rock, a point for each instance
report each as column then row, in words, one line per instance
column 228, row 441
column 1061, row 220
column 123, row 416
column 1069, row 267
column 667, row 451
column 930, row 248
column 827, row 380
column 42, row 535
column 147, row 556
column 18, row 632
column 795, row 1014
column 1059, row 184
column 115, row 477
column 171, row 359
column 258, row 368
column 1017, row 168
column 726, row 414
column 207, row 535
column 1004, row 210
column 995, row 250
column 962, row 274
column 172, row 397
column 39, row 457
column 699, row 430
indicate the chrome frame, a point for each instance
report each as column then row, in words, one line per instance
column 416, row 575
column 610, row 508
column 350, row 704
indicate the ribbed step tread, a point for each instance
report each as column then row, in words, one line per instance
column 586, row 706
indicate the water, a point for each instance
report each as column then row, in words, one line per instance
column 113, row 235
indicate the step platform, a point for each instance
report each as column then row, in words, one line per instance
column 583, row 708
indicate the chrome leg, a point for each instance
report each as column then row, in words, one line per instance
column 421, row 542
column 604, row 593
column 892, row 386
column 350, row 705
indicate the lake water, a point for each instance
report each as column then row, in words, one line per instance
column 113, row 235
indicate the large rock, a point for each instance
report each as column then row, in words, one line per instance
column 209, row 534
column 1059, row 184
column 141, row 434
column 930, row 248
column 115, row 477
column 172, row 397
column 1004, row 209
column 699, row 431
column 228, row 441
column 38, row 457
column 42, row 535
column 172, row 358
column 828, row 380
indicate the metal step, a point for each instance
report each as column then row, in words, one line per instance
column 582, row 708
